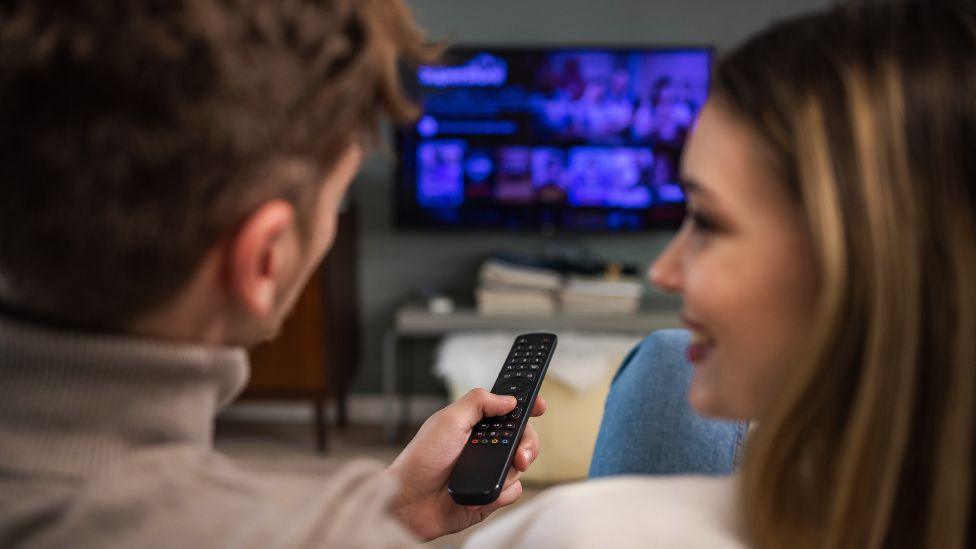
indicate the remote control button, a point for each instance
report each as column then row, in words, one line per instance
column 534, row 367
column 521, row 366
column 484, row 441
column 506, row 434
column 515, row 414
column 515, row 386
column 496, row 425
column 517, row 374
column 541, row 354
column 479, row 434
column 493, row 434
column 506, row 376
column 522, row 340
column 530, row 347
column 504, row 441
column 474, row 441
column 509, row 425
column 536, row 360
column 510, row 367
column 494, row 441
column 529, row 375
column 512, row 386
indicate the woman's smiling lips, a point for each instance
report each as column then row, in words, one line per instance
column 701, row 343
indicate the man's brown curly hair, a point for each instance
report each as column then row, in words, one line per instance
column 134, row 134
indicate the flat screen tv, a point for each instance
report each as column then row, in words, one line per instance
column 550, row 139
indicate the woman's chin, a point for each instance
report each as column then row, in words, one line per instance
column 704, row 399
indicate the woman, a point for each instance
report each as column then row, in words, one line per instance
column 828, row 272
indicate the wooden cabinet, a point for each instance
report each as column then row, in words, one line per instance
column 317, row 352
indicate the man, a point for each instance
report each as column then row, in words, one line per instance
column 170, row 174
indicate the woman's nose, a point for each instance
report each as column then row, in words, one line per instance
column 666, row 272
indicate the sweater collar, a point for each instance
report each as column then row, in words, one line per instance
column 73, row 404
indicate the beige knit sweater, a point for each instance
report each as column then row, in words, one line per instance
column 107, row 442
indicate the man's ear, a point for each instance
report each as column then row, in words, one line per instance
column 262, row 256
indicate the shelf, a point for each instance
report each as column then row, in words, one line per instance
column 419, row 321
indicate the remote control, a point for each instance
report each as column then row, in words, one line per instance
column 479, row 475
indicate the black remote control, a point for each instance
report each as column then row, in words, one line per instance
column 480, row 472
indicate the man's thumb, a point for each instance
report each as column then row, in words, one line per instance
column 483, row 403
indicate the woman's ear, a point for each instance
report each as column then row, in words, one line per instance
column 262, row 257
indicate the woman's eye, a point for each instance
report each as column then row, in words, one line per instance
column 701, row 223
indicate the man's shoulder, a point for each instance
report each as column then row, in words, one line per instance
column 628, row 511
column 188, row 497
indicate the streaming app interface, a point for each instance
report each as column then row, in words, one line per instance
column 567, row 139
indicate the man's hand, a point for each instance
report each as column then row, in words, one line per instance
column 425, row 465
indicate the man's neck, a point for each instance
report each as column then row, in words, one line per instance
column 167, row 325
column 28, row 316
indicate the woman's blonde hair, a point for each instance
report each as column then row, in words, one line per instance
column 870, row 113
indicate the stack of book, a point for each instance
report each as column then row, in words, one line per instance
column 510, row 285
column 506, row 287
column 601, row 295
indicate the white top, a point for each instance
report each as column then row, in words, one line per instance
column 621, row 512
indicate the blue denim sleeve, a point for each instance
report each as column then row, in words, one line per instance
column 648, row 426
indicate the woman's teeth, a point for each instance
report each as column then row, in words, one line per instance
column 699, row 347
column 698, row 338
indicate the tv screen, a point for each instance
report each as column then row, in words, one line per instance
column 553, row 139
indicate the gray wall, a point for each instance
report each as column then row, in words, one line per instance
column 392, row 263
